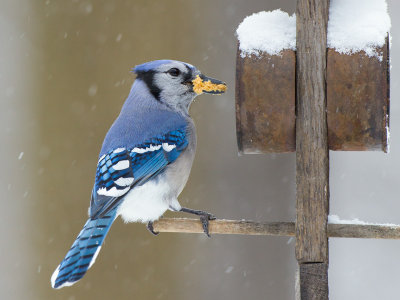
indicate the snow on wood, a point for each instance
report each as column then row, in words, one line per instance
column 354, row 26
column 334, row 219
column 358, row 25
column 267, row 31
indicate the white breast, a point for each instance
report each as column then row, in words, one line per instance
column 145, row 203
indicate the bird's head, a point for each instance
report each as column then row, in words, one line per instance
column 176, row 83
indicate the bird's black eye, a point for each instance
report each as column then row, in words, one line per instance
column 174, row 72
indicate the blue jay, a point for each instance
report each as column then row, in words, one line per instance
column 145, row 159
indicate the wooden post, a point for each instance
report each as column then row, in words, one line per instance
column 342, row 103
column 312, row 156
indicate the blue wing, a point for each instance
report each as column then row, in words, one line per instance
column 123, row 168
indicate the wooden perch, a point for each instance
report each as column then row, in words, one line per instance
column 367, row 231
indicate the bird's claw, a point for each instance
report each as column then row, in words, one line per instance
column 204, row 217
column 151, row 229
column 204, row 221
column 211, row 216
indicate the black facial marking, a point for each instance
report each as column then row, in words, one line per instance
column 187, row 77
column 148, row 78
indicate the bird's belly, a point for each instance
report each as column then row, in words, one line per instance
column 145, row 203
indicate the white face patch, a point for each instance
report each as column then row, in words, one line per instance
column 147, row 149
column 167, row 147
column 121, row 165
column 173, row 89
column 113, row 192
column 124, row 181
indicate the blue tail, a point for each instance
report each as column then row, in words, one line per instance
column 83, row 252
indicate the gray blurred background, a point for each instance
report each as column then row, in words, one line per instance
column 64, row 74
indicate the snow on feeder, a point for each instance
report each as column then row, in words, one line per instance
column 357, row 88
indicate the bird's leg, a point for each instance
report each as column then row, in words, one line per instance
column 150, row 228
column 204, row 217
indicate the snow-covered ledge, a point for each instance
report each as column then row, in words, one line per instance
column 354, row 26
column 267, row 31
column 334, row 219
column 358, row 25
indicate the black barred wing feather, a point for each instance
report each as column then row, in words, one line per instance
column 121, row 169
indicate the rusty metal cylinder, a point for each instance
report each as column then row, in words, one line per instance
column 265, row 103
column 357, row 101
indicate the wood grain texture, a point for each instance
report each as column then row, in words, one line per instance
column 312, row 156
column 225, row 227
column 312, row 281
column 367, row 231
column 246, row 227
column 312, row 153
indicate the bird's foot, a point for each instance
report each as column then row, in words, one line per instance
column 151, row 229
column 204, row 217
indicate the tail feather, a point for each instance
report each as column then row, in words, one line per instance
column 83, row 252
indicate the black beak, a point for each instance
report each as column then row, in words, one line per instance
column 204, row 84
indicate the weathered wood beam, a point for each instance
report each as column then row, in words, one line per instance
column 243, row 227
column 312, row 156
column 312, row 153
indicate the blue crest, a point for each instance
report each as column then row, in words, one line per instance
column 151, row 65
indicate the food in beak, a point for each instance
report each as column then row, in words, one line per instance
column 208, row 85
